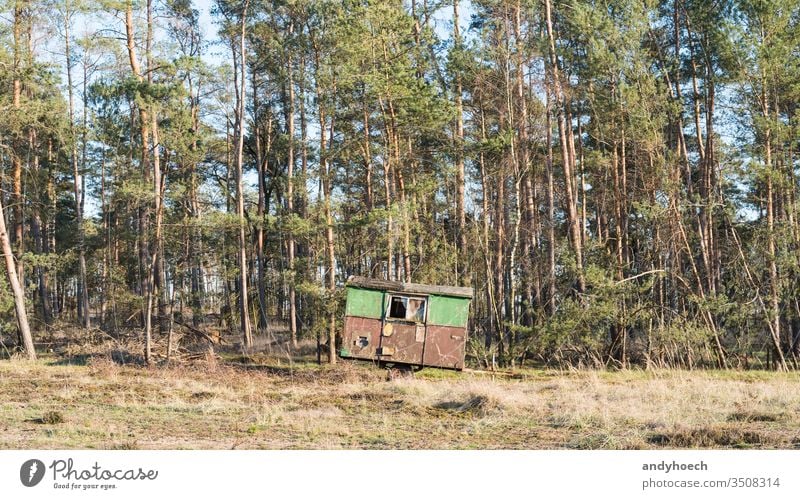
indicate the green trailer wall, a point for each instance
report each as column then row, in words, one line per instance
column 448, row 311
column 365, row 303
column 442, row 310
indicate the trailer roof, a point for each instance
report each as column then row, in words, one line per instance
column 402, row 287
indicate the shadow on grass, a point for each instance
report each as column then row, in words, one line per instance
column 50, row 417
column 705, row 437
column 72, row 360
column 118, row 356
column 342, row 372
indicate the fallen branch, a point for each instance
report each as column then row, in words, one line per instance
column 198, row 332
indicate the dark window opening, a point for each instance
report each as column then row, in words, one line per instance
column 397, row 310
column 407, row 308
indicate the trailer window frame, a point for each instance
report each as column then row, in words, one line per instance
column 419, row 317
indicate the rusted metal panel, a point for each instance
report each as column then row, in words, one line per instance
column 361, row 338
column 399, row 343
column 445, row 347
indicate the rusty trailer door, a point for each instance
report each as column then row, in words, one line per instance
column 446, row 334
column 404, row 329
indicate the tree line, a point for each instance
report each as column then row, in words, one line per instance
column 616, row 179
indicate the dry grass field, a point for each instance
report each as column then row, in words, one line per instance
column 273, row 404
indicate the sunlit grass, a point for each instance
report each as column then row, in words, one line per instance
column 263, row 402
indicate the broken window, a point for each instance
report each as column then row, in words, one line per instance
column 416, row 310
column 397, row 309
column 407, row 308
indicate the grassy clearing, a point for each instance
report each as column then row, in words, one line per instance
column 50, row 404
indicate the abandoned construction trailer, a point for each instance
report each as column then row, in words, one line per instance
column 405, row 323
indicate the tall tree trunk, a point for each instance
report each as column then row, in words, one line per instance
column 566, row 156
column 156, row 270
column 49, row 233
column 367, row 152
column 290, row 194
column 387, row 188
column 524, row 161
column 491, row 303
column 329, row 235
column 551, row 220
column 329, row 240
column 261, row 159
column 144, row 122
column 463, row 274
column 239, row 82
column 38, row 237
column 775, row 311
column 16, row 288
column 401, row 185
column 326, row 178
column 20, row 15
column 106, row 292
column 195, row 259
column 156, row 279
column 83, row 292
